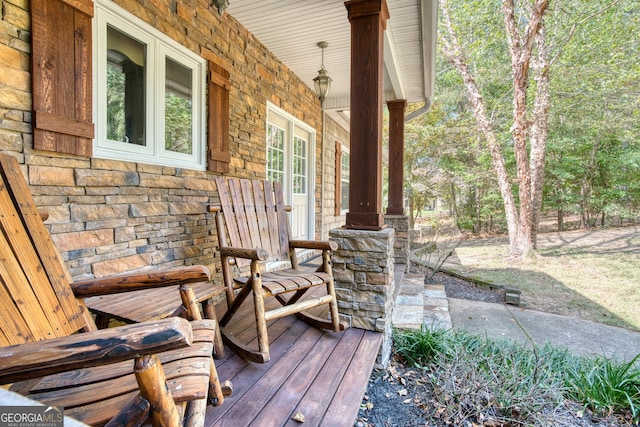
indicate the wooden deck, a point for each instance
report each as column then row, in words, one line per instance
column 321, row 374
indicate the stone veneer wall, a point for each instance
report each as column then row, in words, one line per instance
column 333, row 134
column 363, row 268
column 112, row 216
column 402, row 246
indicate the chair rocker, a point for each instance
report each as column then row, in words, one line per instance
column 160, row 372
column 253, row 229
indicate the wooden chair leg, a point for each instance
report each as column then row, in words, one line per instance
column 216, row 397
column 209, row 309
column 195, row 413
column 189, row 300
column 333, row 307
column 153, row 387
column 258, row 302
column 230, row 340
column 102, row 321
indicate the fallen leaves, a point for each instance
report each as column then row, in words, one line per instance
column 299, row 417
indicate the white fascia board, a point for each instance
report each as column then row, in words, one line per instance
column 392, row 66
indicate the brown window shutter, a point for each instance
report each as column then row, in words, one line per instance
column 219, row 85
column 61, row 73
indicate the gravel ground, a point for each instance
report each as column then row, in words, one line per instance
column 404, row 397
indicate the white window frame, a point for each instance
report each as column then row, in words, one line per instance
column 158, row 48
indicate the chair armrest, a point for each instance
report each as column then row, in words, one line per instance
column 313, row 244
column 103, row 347
column 137, row 281
column 255, row 254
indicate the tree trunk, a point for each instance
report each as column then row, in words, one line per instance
column 521, row 47
column 522, row 222
column 560, row 220
column 478, row 222
column 454, row 204
column 411, row 213
column 454, row 54
column 539, row 130
column 586, row 186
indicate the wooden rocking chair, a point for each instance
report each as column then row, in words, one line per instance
column 160, row 372
column 252, row 216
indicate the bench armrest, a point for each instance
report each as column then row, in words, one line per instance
column 313, row 244
column 137, row 281
column 246, row 253
column 103, row 347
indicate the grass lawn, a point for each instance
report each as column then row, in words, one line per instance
column 589, row 274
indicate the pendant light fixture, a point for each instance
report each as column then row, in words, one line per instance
column 322, row 82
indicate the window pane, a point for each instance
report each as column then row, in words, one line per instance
column 344, row 181
column 126, row 108
column 178, row 114
column 299, row 165
column 344, row 196
column 275, row 153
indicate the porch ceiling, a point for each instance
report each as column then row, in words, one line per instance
column 291, row 29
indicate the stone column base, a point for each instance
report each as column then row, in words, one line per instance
column 402, row 245
column 363, row 267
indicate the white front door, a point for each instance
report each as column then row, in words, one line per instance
column 289, row 160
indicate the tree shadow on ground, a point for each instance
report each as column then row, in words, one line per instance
column 606, row 241
column 587, row 274
column 542, row 292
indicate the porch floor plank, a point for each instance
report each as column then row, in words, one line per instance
column 321, row 374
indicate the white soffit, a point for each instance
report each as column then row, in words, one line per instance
column 291, row 29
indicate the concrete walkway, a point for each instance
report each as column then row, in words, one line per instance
column 417, row 303
column 534, row 327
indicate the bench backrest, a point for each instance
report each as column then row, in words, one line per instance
column 36, row 299
column 254, row 216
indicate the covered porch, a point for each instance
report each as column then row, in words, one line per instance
column 110, row 215
column 317, row 374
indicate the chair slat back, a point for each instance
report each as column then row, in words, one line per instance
column 284, row 228
column 254, row 216
column 36, row 299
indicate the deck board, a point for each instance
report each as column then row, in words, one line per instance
column 321, row 374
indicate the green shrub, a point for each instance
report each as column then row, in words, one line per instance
column 606, row 386
column 475, row 377
column 419, row 347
